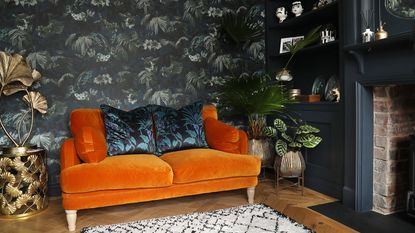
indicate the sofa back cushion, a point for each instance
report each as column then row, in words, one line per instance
column 93, row 118
column 128, row 132
column 179, row 129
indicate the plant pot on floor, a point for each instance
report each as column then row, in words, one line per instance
column 290, row 165
column 263, row 148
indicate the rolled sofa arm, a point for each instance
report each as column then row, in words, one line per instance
column 223, row 137
column 69, row 156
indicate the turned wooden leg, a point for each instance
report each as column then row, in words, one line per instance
column 251, row 194
column 71, row 218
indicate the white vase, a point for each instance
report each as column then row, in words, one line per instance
column 367, row 35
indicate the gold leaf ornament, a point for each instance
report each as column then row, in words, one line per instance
column 38, row 101
column 33, row 187
column 27, row 176
column 23, row 200
column 15, row 74
column 9, row 209
column 8, row 177
column 19, row 165
column 13, row 191
column 5, row 162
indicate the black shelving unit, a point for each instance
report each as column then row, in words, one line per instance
column 324, row 171
column 311, row 16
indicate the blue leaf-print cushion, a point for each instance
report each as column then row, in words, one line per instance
column 128, row 132
column 179, row 129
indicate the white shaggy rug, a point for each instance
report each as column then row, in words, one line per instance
column 256, row 218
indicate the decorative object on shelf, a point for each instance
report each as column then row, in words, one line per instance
column 292, row 93
column 318, row 86
column 367, row 35
column 254, row 97
column 332, row 89
column 290, row 139
column 404, row 9
column 297, row 43
column 381, row 33
column 284, row 75
column 367, row 19
column 16, row 76
column 281, row 14
column 287, row 42
column 328, row 34
column 297, row 9
column 322, row 3
column 23, row 178
column 308, row 98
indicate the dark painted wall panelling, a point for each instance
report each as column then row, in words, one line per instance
column 122, row 53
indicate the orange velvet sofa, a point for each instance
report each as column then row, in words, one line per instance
column 125, row 179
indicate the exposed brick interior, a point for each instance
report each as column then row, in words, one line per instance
column 394, row 121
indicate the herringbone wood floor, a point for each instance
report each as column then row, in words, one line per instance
column 288, row 201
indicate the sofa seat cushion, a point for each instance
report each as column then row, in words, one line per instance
column 118, row 172
column 207, row 164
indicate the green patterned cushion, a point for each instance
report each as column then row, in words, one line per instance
column 179, row 129
column 128, row 132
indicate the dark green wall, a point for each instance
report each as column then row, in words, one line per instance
column 122, row 53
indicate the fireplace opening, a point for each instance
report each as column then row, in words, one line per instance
column 394, row 123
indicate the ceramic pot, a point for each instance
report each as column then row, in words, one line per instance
column 284, row 75
column 264, row 149
column 290, row 165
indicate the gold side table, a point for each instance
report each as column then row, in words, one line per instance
column 23, row 182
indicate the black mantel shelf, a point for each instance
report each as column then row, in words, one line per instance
column 402, row 39
column 327, row 11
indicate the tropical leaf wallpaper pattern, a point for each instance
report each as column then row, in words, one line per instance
column 123, row 53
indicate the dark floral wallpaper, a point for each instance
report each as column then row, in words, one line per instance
column 123, row 53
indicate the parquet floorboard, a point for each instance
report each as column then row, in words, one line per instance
column 288, row 201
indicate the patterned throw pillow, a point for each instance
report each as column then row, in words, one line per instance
column 128, row 132
column 179, row 129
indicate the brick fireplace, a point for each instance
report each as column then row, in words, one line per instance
column 394, row 121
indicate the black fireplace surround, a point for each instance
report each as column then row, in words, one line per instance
column 388, row 62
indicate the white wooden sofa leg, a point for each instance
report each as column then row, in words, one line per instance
column 251, row 194
column 71, row 218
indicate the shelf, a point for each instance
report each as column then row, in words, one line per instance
column 396, row 40
column 316, row 106
column 310, row 17
column 312, row 48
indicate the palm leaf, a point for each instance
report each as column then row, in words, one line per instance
column 239, row 29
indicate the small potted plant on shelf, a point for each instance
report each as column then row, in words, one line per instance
column 254, row 97
column 291, row 139
column 311, row 37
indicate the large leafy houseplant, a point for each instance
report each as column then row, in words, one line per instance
column 293, row 137
column 240, row 29
column 254, row 97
